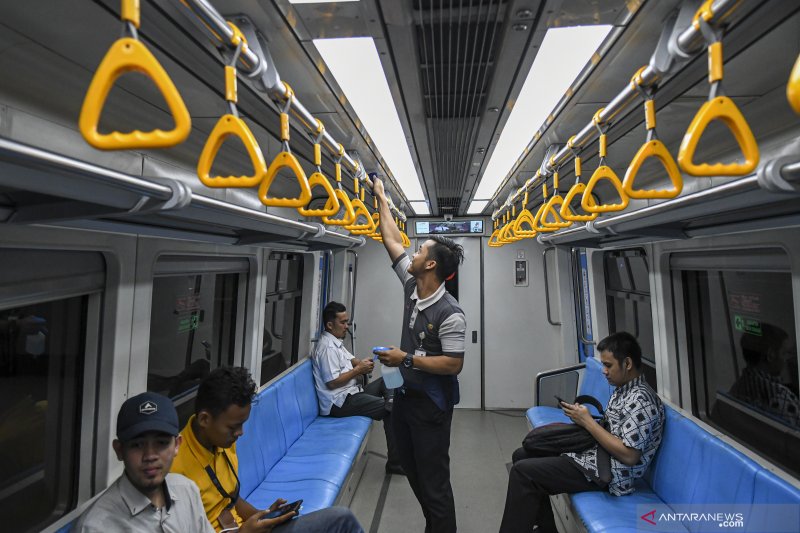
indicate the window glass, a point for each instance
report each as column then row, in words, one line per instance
column 192, row 331
column 743, row 358
column 282, row 314
column 628, row 302
column 41, row 369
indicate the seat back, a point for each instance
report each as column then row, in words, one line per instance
column 263, row 443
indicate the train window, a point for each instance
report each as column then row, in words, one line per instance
column 43, row 342
column 742, row 354
column 282, row 315
column 628, row 302
column 192, row 325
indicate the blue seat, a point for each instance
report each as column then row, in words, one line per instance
column 289, row 451
column 692, row 466
column 594, row 384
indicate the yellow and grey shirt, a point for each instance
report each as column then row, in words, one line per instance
column 192, row 460
column 123, row 508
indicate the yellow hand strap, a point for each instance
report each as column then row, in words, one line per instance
column 406, row 240
column 551, row 217
column 793, row 87
column 494, row 241
column 657, row 149
column 603, row 172
column 285, row 159
column 651, row 148
column 229, row 125
column 348, row 215
column 317, row 179
column 723, row 109
column 129, row 55
column 525, row 217
column 566, row 210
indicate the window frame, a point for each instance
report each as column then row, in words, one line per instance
column 93, row 287
column 758, row 257
column 638, row 297
column 168, row 265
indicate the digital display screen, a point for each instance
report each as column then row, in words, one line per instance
column 443, row 227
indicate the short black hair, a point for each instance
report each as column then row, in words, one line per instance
column 755, row 348
column 447, row 254
column 223, row 387
column 621, row 345
column 330, row 312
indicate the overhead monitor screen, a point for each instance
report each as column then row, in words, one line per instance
column 440, row 227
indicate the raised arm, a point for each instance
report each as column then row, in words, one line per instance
column 389, row 230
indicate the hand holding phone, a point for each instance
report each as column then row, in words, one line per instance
column 284, row 509
column 560, row 399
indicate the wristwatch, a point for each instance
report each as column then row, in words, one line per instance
column 408, row 361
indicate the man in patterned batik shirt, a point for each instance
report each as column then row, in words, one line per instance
column 635, row 422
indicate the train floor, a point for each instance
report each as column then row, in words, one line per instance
column 480, row 450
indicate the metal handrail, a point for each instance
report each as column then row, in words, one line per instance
column 254, row 66
column 546, row 287
column 687, row 43
column 261, row 70
column 790, row 172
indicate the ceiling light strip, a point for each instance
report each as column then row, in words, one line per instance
column 350, row 60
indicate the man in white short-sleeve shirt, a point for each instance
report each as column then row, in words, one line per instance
column 336, row 372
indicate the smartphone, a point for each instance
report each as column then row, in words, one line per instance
column 285, row 508
column 560, row 399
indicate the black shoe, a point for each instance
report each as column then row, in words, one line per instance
column 395, row 469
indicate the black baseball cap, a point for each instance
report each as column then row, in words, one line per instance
column 145, row 412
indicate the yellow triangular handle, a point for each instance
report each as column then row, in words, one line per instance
column 723, row 109
column 406, row 240
column 226, row 126
column 566, row 211
column 361, row 210
column 793, row 87
column 658, row 150
column 376, row 220
column 524, row 217
column 508, row 233
column 537, row 220
column 494, row 240
column 317, row 179
column 603, row 172
column 130, row 55
column 345, row 206
column 285, row 160
column 551, row 209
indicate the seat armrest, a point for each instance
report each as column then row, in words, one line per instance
column 562, row 381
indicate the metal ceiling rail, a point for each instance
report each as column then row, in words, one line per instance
column 95, row 193
column 256, row 63
column 260, row 68
column 688, row 44
column 772, row 183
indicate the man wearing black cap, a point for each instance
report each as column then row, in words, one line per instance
column 146, row 497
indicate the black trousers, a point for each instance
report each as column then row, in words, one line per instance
column 422, row 432
column 371, row 403
column 530, row 484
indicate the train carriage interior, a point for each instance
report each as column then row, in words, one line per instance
column 185, row 185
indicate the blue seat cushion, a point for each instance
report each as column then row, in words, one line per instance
column 602, row 512
column 316, row 494
column 543, row 415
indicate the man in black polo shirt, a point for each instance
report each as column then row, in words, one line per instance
column 430, row 356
